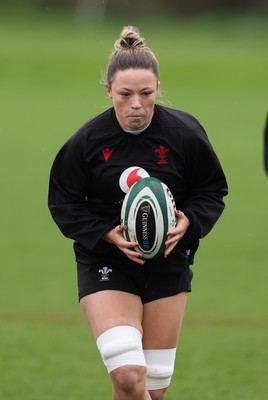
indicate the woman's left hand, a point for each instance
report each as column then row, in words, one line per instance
column 175, row 234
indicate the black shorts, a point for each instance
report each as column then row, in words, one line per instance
column 146, row 282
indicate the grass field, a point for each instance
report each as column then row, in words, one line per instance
column 214, row 68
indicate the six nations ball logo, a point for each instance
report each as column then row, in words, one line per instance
column 130, row 176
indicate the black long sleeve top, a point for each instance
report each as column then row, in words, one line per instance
column 90, row 173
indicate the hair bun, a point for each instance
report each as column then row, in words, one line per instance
column 130, row 41
column 130, row 52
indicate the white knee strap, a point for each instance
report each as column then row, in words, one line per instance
column 160, row 367
column 121, row 346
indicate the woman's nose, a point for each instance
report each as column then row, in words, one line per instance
column 136, row 102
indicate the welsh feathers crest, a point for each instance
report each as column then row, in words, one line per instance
column 105, row 271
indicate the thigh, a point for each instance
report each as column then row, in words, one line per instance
column 108, row 308
column 162, row 320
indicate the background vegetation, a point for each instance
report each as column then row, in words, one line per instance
column 213, row 66
column 120, row 7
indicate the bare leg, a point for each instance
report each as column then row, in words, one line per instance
column 129, row 383
column 162, row 321
column 108, row 309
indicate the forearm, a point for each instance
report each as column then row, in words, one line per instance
column 77, row 223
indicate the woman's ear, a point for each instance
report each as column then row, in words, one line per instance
column 108, row 90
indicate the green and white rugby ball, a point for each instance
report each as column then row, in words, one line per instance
column 147, row 214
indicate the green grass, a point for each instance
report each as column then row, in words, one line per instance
column 215, row 68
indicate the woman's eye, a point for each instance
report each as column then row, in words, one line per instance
column 147, row 93
column 125, row 94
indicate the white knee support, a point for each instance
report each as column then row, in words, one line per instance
column 160, row 367
column 121, row 346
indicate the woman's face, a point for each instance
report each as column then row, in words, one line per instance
column 134, row 92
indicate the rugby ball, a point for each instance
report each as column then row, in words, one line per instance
column 147, row 214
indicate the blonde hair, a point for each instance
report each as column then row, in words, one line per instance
column 130, row 52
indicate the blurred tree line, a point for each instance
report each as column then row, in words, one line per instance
column 121, row 7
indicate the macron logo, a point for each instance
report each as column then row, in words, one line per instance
column 106, row 153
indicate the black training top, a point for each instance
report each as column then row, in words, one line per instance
column 94, row 169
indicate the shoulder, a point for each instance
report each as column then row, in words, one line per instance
column 103, row 122
column 87, row 137
column 94, row 130
column 180, row 121
column 99, row 121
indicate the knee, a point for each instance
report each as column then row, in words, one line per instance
column 130, row 379
column 157, row 394
column 121, row 351
column 160, row 367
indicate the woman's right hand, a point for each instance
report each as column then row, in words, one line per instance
column 115, row 236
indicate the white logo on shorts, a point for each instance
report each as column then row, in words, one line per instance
column 105, row 271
